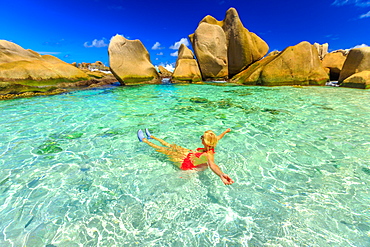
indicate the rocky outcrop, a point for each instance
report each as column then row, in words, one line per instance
column 10, row 90
column 98, row 65
column 19, row 65
column 91, row 66
column 322, row 50
column 356, row 68
column 253, row 75
column 163, row 72
column 187, row 69
column 343, row 51
column 358, row 80
column 209, row 43
column 242, row 47
column 26, row 73
column 108, row 80
column 273, row 53
column 333, row 62
column 130, row 62
column 13, row 90
column 295, row 65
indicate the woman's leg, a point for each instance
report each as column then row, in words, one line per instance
column 158, row 148
column 161, row 141
column 175, row 153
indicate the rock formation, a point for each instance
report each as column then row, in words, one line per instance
column 130, row 62
column 209, row 43
column 295, row 65
column 19, row 65
column 358, row 80
column 185, row 53
column 356, row 69
column 333, row 62
column 273, row 53
column 253, row 75
column 243, row 47
column 322, row 50
column 26, row 73
column 343, row 51
column 99, row 66
column 163, row 72
column 187, row 69
column 91, row 66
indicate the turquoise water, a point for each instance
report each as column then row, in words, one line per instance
column 74, row 174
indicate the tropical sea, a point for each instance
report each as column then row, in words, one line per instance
column 73, row 172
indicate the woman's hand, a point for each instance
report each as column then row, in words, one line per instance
column 226, row 179
column 223, row 133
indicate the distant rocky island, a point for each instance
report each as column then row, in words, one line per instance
column 223, row 51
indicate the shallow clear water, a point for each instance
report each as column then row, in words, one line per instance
column 74, row 174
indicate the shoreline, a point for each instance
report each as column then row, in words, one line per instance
column 60, row 88
column 94, row 83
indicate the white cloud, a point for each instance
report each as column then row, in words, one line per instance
column 365, row 15
column 169, row 67
column 96, row 43
column 177, row 44
column 160, row 54
column 157, row 46
column 340, row 2
column 360, row 3
column 175, row 54
column 360, row 46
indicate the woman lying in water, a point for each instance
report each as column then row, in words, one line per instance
column 187, row 159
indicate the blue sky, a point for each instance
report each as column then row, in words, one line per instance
column 80, row 30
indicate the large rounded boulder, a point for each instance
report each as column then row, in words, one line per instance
column 356, row 68
column 358, row 80
column 333, row 62
column 243, row 47
column 130, row 61
column 210, row 47
column 295, row 65
column 187, row 69
column 163, row 72
column 18, row 65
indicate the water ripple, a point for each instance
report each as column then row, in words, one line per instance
column 73, row 173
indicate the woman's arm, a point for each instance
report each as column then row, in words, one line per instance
column 216, row 169
column 223, row 133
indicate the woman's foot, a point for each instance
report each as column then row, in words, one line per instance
column 140, row 135
column 148, row 134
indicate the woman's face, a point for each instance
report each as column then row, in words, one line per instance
column 202, row 138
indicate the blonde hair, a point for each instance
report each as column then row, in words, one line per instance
column 210, row 138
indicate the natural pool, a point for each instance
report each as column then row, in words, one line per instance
column 74, row 174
